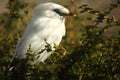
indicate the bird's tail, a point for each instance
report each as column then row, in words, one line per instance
column 8, row 69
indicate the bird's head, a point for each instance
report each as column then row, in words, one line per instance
column 52, row 10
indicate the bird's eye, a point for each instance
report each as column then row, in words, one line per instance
column 57, row 11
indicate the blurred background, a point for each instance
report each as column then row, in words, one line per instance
column 102, row 52
column 102, row 5
column 15, row 14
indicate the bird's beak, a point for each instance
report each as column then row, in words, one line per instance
column 71, row 14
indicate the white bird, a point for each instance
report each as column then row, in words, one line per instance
column 48, row 23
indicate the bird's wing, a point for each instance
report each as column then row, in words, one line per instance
column 37, row 31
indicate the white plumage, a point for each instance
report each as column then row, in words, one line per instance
column 47, row 23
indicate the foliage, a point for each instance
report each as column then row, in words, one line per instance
column 94, row 56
